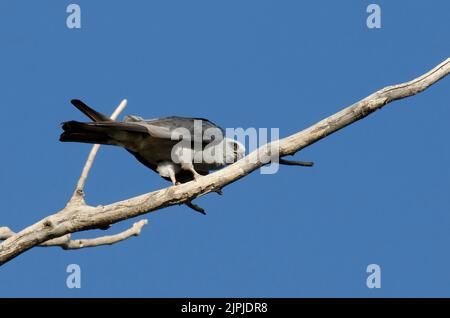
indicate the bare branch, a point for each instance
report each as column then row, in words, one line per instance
column 75, row 218
column 67, row 243
column 78, row 195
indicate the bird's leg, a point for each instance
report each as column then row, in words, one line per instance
column 172, row 177
column 195, row 173
column 189, row 166
column 185, row 157
column 167, row 169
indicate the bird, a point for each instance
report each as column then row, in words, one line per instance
column 179, row 149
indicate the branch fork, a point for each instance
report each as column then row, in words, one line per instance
column 77, row 200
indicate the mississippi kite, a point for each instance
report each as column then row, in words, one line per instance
column 180, row 149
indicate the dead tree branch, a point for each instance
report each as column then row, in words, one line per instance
column 79, row 217
column 67, row 243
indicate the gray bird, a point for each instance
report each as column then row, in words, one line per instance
column 179, row 149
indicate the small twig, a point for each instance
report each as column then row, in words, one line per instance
column 195, row 207
column 67, row 243
column 135, row 230
column 78, row 195
column 295, row 163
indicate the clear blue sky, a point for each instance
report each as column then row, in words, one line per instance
column 379, row 192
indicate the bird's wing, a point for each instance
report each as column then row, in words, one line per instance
column 168, row 128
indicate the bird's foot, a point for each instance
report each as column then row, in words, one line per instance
column 196, row 175
column 174, row 181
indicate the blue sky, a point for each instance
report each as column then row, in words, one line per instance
column 379, row 192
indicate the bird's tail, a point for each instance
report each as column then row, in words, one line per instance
column 82, row 132
column 103, row 132
column 88, row 111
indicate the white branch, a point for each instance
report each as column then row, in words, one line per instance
column 75, row 218
column 67, row 243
